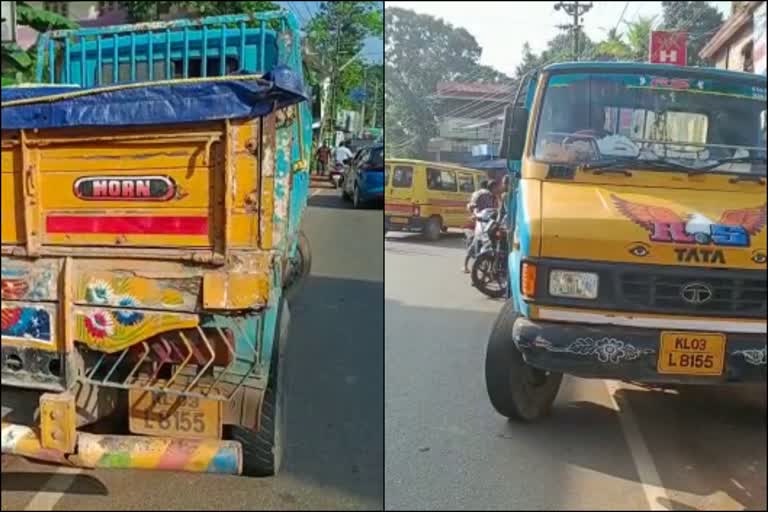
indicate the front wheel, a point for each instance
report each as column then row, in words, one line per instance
column 516, row 390
column 488, row 275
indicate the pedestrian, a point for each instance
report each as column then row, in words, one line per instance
column 323, row 156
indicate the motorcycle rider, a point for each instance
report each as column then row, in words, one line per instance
column 482, row 198
column 343, row 154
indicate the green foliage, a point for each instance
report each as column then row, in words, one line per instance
column 41, row 20
column 141, row 11
column 336, row 35
column 420, row 52
column 18, row 65
column 699, row 19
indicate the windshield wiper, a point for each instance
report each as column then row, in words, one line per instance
column 734, row 160
column 633, row 163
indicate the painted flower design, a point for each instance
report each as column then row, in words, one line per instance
column 100, row 324
column 610, row 349
column 126, row 316
column 99, row 292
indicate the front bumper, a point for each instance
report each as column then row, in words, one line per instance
column 627, row 353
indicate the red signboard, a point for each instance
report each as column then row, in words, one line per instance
column 668, row 48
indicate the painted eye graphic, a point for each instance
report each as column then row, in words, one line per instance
column 639, row 250
column 759, row 257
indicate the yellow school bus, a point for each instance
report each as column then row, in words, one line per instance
column 427, row 197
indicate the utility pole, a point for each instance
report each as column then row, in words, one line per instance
column 576, row 10
column 334, row 79
column 362, row 104
column 375, row 103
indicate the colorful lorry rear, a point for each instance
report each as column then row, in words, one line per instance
column 150, row 229
column 638, row 246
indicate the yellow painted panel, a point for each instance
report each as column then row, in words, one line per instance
column 606, row 222
column 10, row 159
column 100, row 156
column 222, row 290
column 12, row 224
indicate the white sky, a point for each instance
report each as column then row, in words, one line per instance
column 501, row 28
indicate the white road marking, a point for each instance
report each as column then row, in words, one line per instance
column 648, row 475
column 59, row 483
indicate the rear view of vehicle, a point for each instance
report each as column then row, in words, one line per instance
column 149, row 230
column 365, row 181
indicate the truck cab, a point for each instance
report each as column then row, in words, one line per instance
column 638, row 242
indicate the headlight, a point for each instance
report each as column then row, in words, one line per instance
column 576, row 285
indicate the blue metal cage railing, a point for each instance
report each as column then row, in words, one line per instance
column 185, row 48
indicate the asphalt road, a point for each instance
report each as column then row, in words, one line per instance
column 607, row 446
column 334, row 458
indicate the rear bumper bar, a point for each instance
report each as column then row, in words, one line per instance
column 129, row 452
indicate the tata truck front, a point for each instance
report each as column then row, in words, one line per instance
column 638, row 246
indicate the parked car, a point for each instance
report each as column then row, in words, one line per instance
column 364, row 178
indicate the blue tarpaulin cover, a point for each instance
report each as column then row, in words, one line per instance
column 149, row 104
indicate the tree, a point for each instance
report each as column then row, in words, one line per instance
column 19, row 65
column 613, row 48
column 141, row 11
column 420, row 52
column 337, row 34
column 530, row 61
column 699, row 19
column 639, row 35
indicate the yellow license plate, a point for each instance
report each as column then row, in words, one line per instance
column 163, row 414
column 398, row 220
column 691, row 353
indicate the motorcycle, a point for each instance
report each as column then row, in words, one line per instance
column 337, row 175
column 489, row 270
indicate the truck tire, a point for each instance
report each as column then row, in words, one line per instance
column 433, row 229
column 263, row 449
column 516, row 390
column 298, row 269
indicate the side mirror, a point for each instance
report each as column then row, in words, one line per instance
column 513, row 132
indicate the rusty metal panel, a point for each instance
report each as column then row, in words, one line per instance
column 58, row 421
column 134, row 288
column 267, row 206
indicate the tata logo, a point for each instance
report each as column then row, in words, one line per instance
column 733, row 229
column 696, row 293
column 125, row 188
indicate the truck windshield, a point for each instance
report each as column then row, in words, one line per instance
column 700, row 124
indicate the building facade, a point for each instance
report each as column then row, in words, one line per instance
column 470, row 115
column 739, row 45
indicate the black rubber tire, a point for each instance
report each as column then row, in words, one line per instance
column 294, row 284
column 344, row 194
column 433, row 229
column 485, row 258
column 356, row 202
column 510, row 381
column 263, row 449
